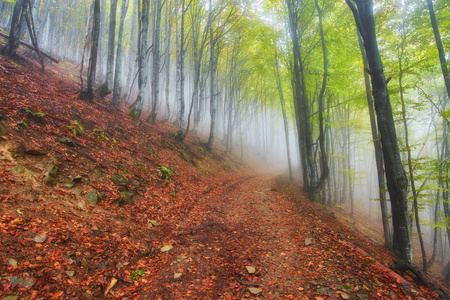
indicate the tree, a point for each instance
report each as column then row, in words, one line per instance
column 144, row 8
column 106, row 87
column 377, row 148
column 117, row 86
column 17, row 23
column 397, row 182
column 156, row 63
column 440, row 47
column 89, row 93
column 301, row 104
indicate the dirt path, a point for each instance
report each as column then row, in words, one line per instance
column 253, row 221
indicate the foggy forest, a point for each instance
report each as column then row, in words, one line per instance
column 346, row 101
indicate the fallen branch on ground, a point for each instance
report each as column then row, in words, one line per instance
column 32, row 48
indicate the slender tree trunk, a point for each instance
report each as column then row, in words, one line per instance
column 323, row 154
column 397, row 181
column 117, row 86
column 17, row 24
column 168, row 30
column 94, row 51
column 212, row 70
column 410, row 167
column 181, row 113
column 111, row 44
column 378, row 150
column 285, row 121
column 142, row 55
column 440, row 47
column 156, row 63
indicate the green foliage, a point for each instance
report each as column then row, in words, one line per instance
column 35, row 113
column 133, row 114
column 100, row 133
column 165, row 173
column 23, row 123
column 141, row 166
column 136, row 274
column 76, row 128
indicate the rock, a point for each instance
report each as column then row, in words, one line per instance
column 18, row 169
column 3, row 130
column 250, row 269
column 177, row 275
column 255, row 291
column 40, row 238
column 15, row 280
column 12, row 262
column 70, row 273
column 155, row 223
column 166, row 248
column 53, row 170
column 92, row 197
column 120, row 180
column 48, row 179
column 308, row 241
column 66, row 141
column 77, row 178
column 11, row 298
column 126, row 198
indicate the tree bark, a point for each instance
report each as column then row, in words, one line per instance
column 117, row 85
column 142, row 55
column 111, row 43
column 378, row 150
column 94, row 50
column 440, row 47
column 156, row 63
column 212, row 100
column 397, row 182
column 17, row 24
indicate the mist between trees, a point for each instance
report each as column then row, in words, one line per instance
column 350, row 97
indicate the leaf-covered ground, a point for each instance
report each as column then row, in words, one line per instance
column 214, row 229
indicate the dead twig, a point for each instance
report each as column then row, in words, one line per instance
column 4, row 70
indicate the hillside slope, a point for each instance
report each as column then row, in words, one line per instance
column 95, row 205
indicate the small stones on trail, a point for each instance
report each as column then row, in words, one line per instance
column 154, row 223
column 255, row 291
column 308, row 241
column 166, row 248
column 92, row 197
column 12, row 262
column 250, row 269
column 40, row 238
column 177, row 275
column 66, row 141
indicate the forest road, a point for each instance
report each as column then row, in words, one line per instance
column 255, row 236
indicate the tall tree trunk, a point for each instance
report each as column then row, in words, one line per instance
column 168, row 29
column 283, row 110
column 117, row 86
column 378, row 150
column 302, row 105
column 17, row 23
column 156, row 63
column 142, row 55
column 440, row 47
column 212, row 70
column 108, row 85
column 397, row 182
column 94, row 51
column 409, row 155
column 181, row 112
column 323, row 153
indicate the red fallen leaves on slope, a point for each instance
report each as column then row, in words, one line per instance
column 216, row 222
